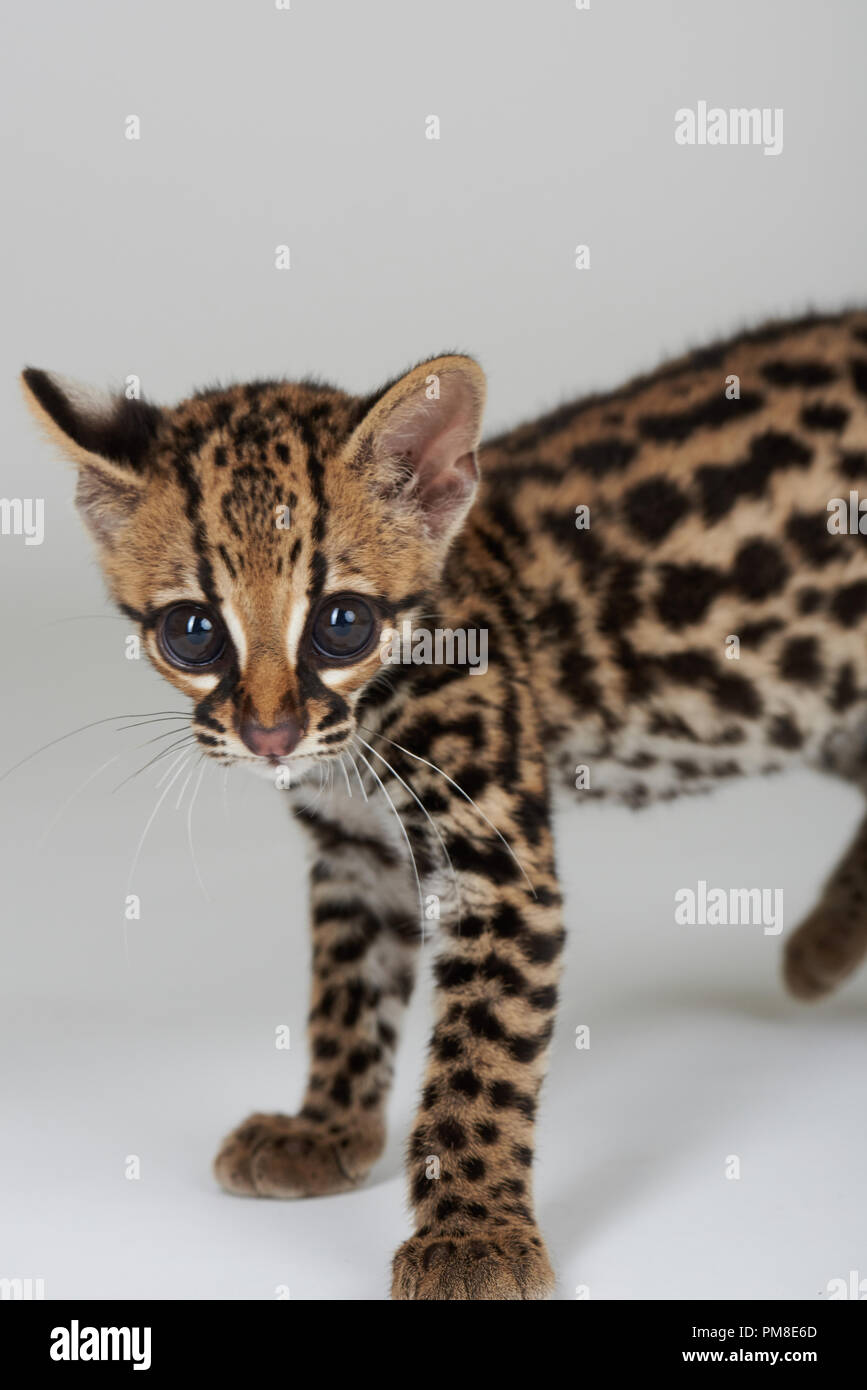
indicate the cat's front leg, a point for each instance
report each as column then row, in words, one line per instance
column 471, row 1150
column 365, row 927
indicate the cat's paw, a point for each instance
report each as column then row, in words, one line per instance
column 290, row 1156
column 492, row 1263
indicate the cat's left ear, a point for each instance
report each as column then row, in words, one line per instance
column 419, row 441
column 110, row 438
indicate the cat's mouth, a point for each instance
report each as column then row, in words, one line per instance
column 315, row 753
column 288, row 769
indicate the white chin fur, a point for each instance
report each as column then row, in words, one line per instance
column 299, row 769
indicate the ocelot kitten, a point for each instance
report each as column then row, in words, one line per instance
column 265, row 536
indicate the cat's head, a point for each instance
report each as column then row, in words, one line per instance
column 264, row 536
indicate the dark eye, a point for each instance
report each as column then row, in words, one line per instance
column 192, row 635
column 343, row 627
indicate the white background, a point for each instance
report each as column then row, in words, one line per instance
column 156, row 257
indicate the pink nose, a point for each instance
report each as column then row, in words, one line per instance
column 271, row 743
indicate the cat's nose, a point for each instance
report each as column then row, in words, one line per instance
column 275, row 742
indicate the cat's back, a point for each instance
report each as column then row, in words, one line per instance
column 709, row 499
column 755, row 436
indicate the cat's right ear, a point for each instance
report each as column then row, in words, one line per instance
column 109, row 438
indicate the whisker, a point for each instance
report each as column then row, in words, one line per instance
column 154, row 719
column 312, row 802
column 94, row 723
column 373, row 733
column 345, row 774
column 85, row 617
column 357, row 773
column 195, row 792
column 91, row 777
column 167, row 772
column 183, row 788
column 167, row 734
column 166, row 752
column 150, row 820
column 429, row 818
column 382, row 788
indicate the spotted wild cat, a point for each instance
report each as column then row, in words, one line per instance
column 265, row 536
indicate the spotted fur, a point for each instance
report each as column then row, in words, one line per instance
column 607, row 650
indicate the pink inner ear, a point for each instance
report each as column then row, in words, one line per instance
column 444, row 490
column 436, row 439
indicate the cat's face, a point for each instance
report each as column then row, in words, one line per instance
column 263, row 537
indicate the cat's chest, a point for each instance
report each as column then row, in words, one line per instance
column 355, row 808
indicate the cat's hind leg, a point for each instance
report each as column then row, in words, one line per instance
column 832, row 939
